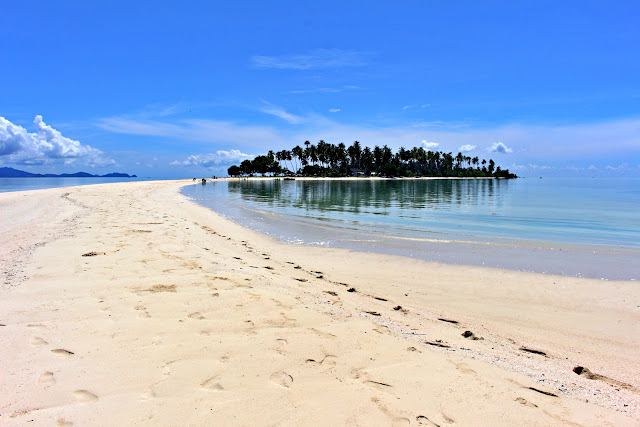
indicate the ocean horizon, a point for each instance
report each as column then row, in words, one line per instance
column 41, row 183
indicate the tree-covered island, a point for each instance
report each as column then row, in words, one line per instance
column 329, row 160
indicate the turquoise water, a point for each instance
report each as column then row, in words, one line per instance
column 24, row 184
column 581, row 227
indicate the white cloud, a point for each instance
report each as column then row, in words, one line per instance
column 617, row 168
column 467, row 147
column 541, row 167
column 281, row 113
column 499, row 147
column 592, row 168
column 334, row 110
column 46, row 145
column 324, row 90
column 406, row 107
column 318, row 90
column 318, row 58
column 429, row 145
column 220, row 157
column 209, row 131
column 600, row 144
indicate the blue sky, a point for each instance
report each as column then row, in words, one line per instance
column 181, row 89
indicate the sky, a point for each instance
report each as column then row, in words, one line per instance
column 183, row 89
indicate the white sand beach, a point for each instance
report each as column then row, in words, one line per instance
column 126, row 303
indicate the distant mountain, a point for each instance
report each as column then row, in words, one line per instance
column 15, row 173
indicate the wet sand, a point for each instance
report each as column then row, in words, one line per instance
column 128, row 304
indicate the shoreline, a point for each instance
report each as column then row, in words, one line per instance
column 590, row 260
column 274, row 332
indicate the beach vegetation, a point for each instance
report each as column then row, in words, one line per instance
column 328, row 160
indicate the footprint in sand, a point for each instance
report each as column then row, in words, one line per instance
column 63, row 423
column 38, row 342
column 62, row 352
column 282, row 379
column 212, row 385
column 46, row 379
column 525, row 402
column 84, row 396
column 149, row 394
column 424, row 421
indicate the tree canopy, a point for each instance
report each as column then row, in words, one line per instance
column 325, row 159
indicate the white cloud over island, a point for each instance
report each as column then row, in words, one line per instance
column 499, row 147
column 46, row 145
column 429, row 145
column 467, row 147
column 579, row 144
column 220, row 157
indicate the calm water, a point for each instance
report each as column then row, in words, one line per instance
column 581, row 227
column 24, row 184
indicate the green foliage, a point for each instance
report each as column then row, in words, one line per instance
column 324, row 159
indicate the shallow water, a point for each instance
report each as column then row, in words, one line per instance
column 577, row 227
column 25, row 184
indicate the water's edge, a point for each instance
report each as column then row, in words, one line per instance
column 576, row 260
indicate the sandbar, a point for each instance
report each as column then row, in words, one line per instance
column 127, row 303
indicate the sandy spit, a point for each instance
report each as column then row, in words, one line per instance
column 127, row 304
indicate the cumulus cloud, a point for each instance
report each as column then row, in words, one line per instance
column 499, row 147
column 46, row 145
column 220, row 157
column 467, row 147
column 429, row 145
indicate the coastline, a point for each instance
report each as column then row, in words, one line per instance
column 466, row 240
column 222, row 319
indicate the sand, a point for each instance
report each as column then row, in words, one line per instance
column 128, row 304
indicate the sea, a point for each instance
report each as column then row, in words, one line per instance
column 39, row 183
column 581, row 227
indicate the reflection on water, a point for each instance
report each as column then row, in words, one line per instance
column 406, row 198
column 562, row 226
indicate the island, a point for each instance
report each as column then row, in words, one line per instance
column 329, row 160
column 16, row 173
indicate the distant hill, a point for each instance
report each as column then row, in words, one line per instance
column 15, row 173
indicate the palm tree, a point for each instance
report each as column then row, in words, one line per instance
column 313, row 154
column 377, row 156
column 459, row 159
column 322, row 152
column 280, row 156
column 355, row 152
column 289, row 158
column 367, row 160
column 337, row 160
column 341, row 153
column 298, row 154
